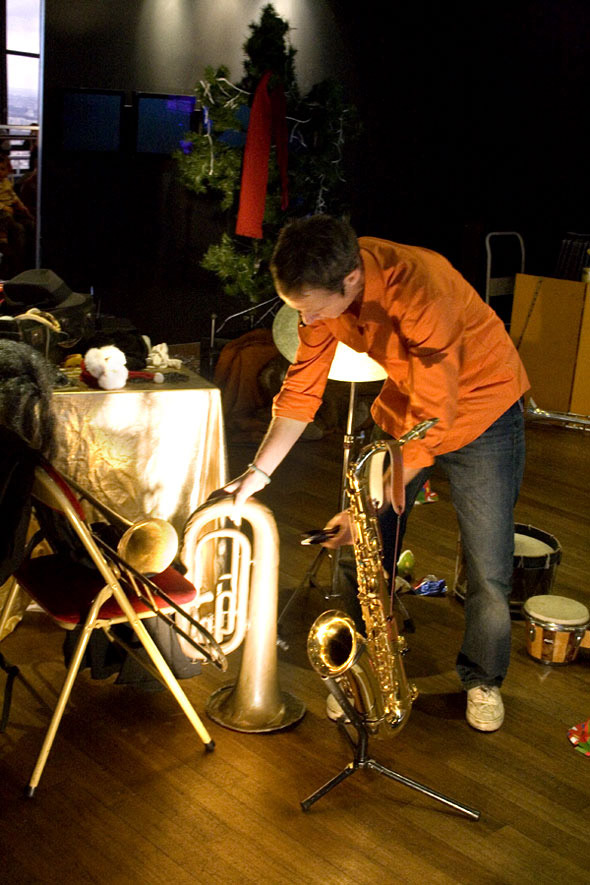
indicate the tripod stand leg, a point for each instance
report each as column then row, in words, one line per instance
column 346, row 772
column 308, row 580
column 464, row 809
column 362, row 760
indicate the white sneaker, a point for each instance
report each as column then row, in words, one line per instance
column 334, row 711
column 485, row 710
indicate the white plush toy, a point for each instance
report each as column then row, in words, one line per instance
column 107, row 365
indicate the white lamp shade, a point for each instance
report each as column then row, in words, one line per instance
column 347, row 365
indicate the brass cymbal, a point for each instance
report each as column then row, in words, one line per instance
column 347, row 365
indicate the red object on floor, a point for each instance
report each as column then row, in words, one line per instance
column 579, row 736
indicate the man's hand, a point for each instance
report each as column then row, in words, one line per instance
column 344, row 536
column 281, row 436
column 242, row 488
column 342, row 520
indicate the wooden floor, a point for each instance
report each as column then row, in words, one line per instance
column 129, row 796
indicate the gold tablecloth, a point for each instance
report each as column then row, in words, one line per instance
column 147, row 449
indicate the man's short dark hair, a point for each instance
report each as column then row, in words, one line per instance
column 316, row 252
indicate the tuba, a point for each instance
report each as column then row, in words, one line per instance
column 368, row 672
column 243, row 607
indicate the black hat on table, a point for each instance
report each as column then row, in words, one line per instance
column 39, row 288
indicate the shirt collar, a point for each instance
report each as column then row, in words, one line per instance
column 372, row 289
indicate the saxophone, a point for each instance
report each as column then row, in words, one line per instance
column 370, row 672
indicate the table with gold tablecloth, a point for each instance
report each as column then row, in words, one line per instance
column 147, row 449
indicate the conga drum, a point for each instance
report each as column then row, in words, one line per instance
column 536, row 557
column 555, row 628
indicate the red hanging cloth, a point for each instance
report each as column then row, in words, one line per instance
column 267, row 123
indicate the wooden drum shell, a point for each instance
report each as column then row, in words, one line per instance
column 556, row 627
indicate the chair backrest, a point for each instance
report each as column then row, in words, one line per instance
column 51, row 489
column 574, row 255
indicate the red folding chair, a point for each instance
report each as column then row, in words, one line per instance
column 101, row 592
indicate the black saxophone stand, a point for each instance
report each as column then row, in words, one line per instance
column 363, row 760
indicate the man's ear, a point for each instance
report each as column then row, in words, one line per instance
column 354, row 280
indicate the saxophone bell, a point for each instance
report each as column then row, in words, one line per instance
column 337, row 651
column 333, row 643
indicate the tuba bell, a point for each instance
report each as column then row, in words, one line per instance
column 244, row 605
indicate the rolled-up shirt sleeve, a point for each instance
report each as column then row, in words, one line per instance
column 301, row 393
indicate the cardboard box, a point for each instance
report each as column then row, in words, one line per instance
column 550, row 326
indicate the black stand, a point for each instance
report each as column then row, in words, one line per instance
column 309, row 579
column 362, row 760
column 12, row 672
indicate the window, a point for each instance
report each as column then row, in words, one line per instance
column 21, row 74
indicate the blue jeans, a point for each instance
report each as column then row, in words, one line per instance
column 485, row 478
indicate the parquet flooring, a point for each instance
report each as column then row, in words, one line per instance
column 129, row 796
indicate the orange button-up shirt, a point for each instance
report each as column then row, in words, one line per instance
column 446, row 353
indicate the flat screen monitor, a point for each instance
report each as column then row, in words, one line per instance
column 91, row 119
column 161, row 121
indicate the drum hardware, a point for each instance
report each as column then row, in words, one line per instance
column 578, row 635
column 246, row 609
column 209, row 352
column 350, row 366
column 556, row 628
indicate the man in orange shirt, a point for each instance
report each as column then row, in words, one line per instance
column 447, row 356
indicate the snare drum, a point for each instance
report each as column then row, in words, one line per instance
column 555, row 626
column 536, row 557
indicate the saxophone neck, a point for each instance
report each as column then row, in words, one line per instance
column 386, row 445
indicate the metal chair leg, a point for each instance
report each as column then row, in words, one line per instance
column 164, row 670
column 63, row 697
column 8, row 605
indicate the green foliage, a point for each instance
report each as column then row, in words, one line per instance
column 206, row 162
column 241, row 267
column 322, row 128
column 267, row 49
column 321, row 173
